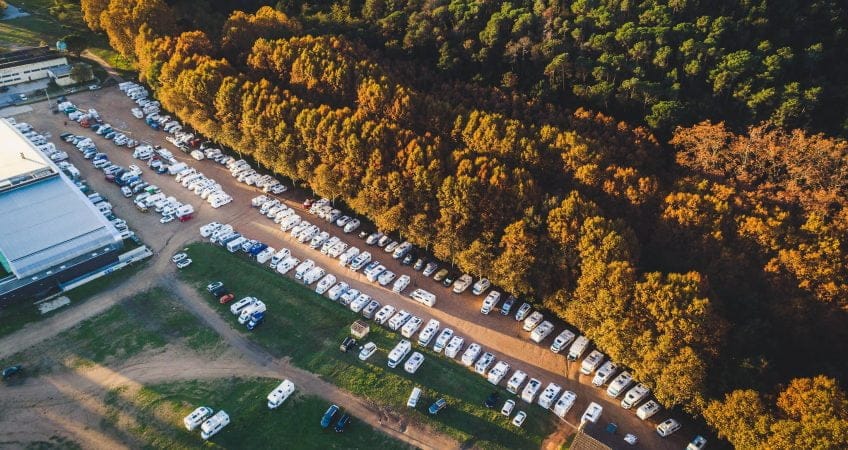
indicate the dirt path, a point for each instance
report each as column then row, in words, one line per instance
column 70, row 405
column 108, row 67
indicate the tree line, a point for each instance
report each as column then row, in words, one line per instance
column 713, row 265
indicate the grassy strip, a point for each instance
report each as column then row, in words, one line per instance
column 308, row 328
column 158, row 411
column 16, row 315
column 147, row 321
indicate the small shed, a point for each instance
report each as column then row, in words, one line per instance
column 360, row 329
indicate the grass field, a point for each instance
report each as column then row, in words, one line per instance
column 49, row 21
column 308, row 328
column 18, row 314
column 146, row 321
column 158, row 411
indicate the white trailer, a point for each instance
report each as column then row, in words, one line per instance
column 280, row 394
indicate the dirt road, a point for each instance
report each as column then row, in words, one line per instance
column 500, row 334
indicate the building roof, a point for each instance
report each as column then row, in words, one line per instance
column 19, row 159
column 64, row 69
column 27, row 56
column 45, row 222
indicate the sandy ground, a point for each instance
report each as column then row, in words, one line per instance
column 500, row 334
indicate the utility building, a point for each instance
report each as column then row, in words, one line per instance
column 50, row 233
column 30, row 64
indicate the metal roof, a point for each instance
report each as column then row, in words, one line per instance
column 27, row 56
column 47, row 222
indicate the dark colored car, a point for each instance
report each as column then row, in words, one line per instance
column 347, row 344
column 219, row 291
column 449, row 279
column 342, row 423
column 407, row 260
column 439, row 405
column 491, row 400
column 419, row 264
column 328, row 416
column 507, row 305
column 9, row 372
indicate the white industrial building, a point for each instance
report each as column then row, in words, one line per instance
column 30, row 64
column 50, row 233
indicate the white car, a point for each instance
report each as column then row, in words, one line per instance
column 336, row 291
column 429, row 331
column 603, row 375
column 413, row 363
column 508, row 406
column 325, row 283
column 184, row 263
column 361, row 302
column 367, row 350
column 410, row 327
column 482, row 365
column 668, row 427
column 351, row 226
column 632, row 440
column 490, row 301
column 471, row 354
column 349, row 296
column 647, row 410
column 562, row 340
column 197, row 417
column 454, row 346
column 518, row 420
column 386, row 278
column 179, row 257
column 592, row 414
column 442, row 340
column 401, row 283
column 384, row 314
column 166, row 218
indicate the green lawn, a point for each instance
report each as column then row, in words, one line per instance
column 16, row 315
column 159, row 410
column 308, row 328
column 45, row 26
column 146, row 321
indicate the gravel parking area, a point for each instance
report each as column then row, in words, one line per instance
column 499, row 334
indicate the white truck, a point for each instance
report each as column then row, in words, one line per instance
column 197, row 417
column 619, row 384
column 578, row 348
column 564, row 404
column 541, row 332
column 591, row 362
column 515, row 381
column 549, row 395
column 244, row 315
column 214, row 424
column 424, row 297
column 314, row 274
column 635, row 395
column 280, row 394
column 530, row 391
column 399, row 352
column 302, row 268
column 498, row 372
column 265, row 255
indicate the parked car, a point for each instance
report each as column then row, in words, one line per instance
column 328, row 416
column 507, row 408
column 437, row 406
column 519, row 418
column 367, row 350
column 342, row 423
column 668, row 427
column 12, row 371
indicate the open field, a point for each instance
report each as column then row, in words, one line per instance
column 17, row 315
column 146, row 321
column 308, row 328
column 158, row 411
column 45, row 27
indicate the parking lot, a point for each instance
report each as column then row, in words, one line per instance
column 501, row 335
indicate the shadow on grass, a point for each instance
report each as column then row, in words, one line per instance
column 308, row 328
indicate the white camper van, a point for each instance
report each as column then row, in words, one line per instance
column 280, row 394
column 214, row 424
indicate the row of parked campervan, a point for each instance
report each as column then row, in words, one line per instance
column 210, row 424
column 202, row 186
column 244, row 173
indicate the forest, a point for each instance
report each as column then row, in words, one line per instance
column 670, row 178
